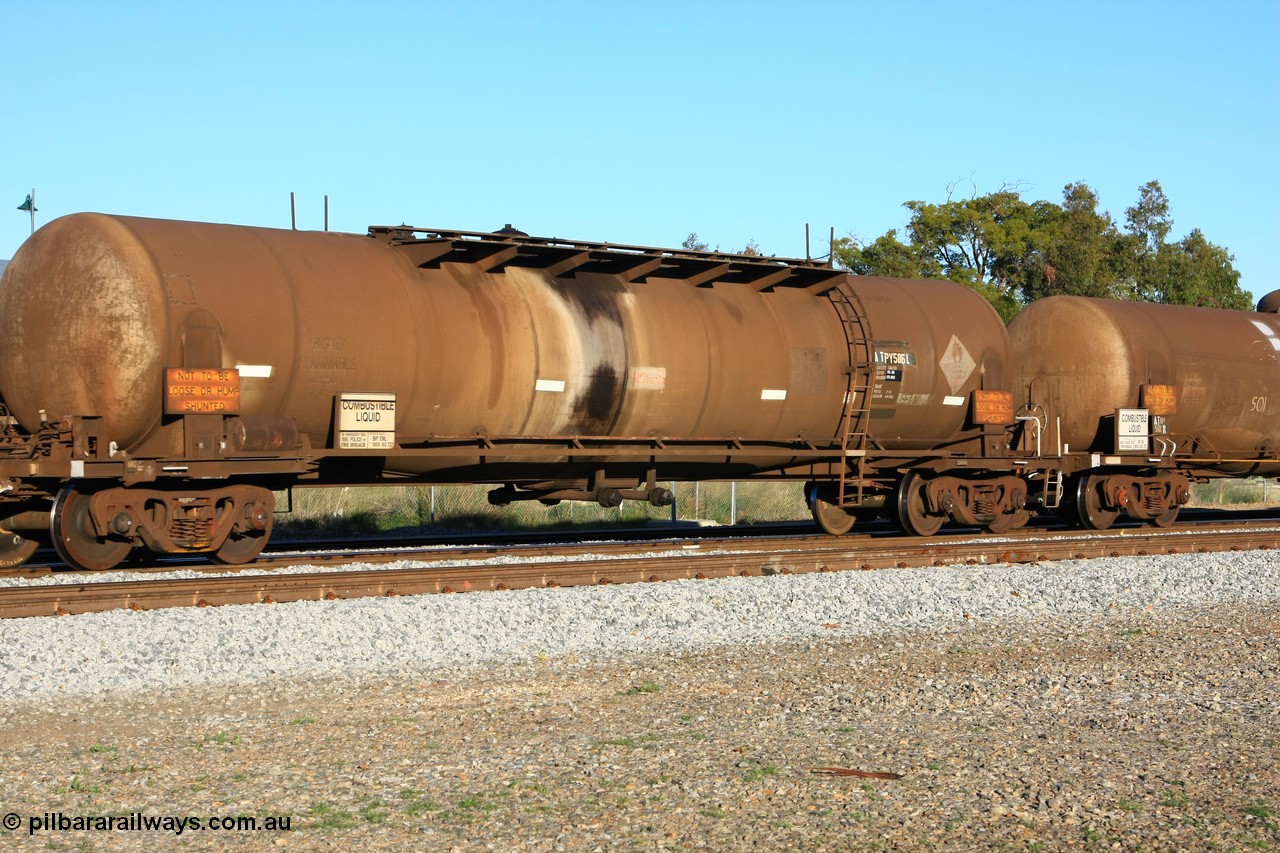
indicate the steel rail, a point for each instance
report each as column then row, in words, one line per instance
column 282, row 552
column 772, row 557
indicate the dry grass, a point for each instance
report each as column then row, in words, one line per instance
column 373, row 509
column 369, row 509
column 1230, row 492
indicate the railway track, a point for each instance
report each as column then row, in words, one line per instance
column 283, row 552
column 499, row 567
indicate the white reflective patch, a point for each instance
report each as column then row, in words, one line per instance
column 553, row 385
column 773, row 394
column 953, row 401
column 254, row 371
column 1272, row 338
column 77, row 468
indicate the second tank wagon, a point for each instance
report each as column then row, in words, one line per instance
column 1138, row 399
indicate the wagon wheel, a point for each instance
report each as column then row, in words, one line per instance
column 1090, row 512
column 243, row 547
column 240, row 548
column 913, row 515
column 15, row 549
column 1006, row 521
column 74, row 538
column 1167, row 518
column 829, row 517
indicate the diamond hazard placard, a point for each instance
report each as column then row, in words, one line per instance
column 956, row 364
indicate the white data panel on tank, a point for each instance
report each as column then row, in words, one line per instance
column 366, row 421
column 1133, row 430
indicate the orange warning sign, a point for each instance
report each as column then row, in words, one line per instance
column 201, row 391
column 1160, row 399
column 993, row 407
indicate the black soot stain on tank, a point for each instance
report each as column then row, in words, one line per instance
column 598, row 301
column 597, row 407
column 596, row 410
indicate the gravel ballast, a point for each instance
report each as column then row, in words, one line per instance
column 129, row 650
column 1093, row 705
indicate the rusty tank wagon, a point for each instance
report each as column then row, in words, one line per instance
column 161, row 379
column 1136, row 400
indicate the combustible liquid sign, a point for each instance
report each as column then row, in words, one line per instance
column 1133, row 431
column 201, row 391
column 366, row 421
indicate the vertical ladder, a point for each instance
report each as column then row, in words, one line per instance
column 857, row 398
column 1052, row 489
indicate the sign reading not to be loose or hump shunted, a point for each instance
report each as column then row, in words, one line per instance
column 366, row 421
column 201, row 391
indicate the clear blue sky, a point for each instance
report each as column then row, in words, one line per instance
column 641, row 122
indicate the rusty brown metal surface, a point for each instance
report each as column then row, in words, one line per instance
column 95, row 308
column 934, row 343
column 849, row 771
column 501, row 336
column 1085, row 358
